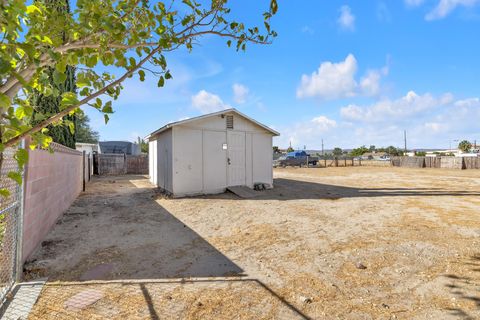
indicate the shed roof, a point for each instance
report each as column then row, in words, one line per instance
column 231, row 110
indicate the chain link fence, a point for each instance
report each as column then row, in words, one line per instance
column 10, row 216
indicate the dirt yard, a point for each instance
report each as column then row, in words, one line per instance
column 335, row 243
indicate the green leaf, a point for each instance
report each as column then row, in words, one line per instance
column 20, row 112
column 5, row 101
column 32, row 8
column 15, row 176
column 46, row 39
column 61, row 65
column 68, row 99
column 83, row 83
column 106, row 117
column 188, row 3
column 21, row 155
column 108, row 107
column 71, row 126
column 168, row 75
column 91, row 61
column 28, row 49
column 273, row 6
column 161, row 82
column 98, row 103
column 132, row 61
column 160, row 30
column 4, row 193
column 141, row 73
column 59, row 77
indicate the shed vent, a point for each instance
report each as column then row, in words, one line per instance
column 229, row 122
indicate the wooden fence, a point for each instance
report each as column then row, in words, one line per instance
column 437, row 162
column 472, row 162
column 118, row 164
column 335, row 162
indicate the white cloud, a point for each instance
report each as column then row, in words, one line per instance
column 240, row 93
column 207, row 102
column 370, row 83
column 337, row 80
column 445, row 7
column 346, row 20
column 331, row 80
column 323, row 123
column 390, row 110
column 431, row 121
column 468, row 103
column 306, row 132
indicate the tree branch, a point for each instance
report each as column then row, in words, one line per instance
column 66, row 111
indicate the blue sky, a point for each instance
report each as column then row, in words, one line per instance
column 351, row 72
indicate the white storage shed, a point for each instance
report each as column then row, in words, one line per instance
column 207, row 154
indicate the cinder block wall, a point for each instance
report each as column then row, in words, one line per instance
column 52, row 183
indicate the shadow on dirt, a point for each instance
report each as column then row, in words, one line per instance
column 288, row 189
column 120, row 234
column 124, row 233
column 466, row 288
column 151, row 298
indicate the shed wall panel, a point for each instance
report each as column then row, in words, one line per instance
column 249, row 160
column 152, row 161
column 262, row 158
column 214, row 161
column 187, row 161
column 164, row 161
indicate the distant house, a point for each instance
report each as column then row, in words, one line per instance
column 89, row 148
column 207, row 154
column 122, row 147
column 375, row 156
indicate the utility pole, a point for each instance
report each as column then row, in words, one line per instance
column 405, row 140
column 322, row 148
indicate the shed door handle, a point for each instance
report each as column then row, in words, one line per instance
column 228, row 161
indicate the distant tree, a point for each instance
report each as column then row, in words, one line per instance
column 359, row 151
column 337, row 151
column 83, row 131
column 290, row 149
column 46, row 104
column 372, row 148
column 465, row 146
column 143, row 145
column 420, row 153
column 276, row 149
column 391, row 150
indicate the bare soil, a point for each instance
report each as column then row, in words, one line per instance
column 334, row 243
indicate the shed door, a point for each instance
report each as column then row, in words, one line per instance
column 236, row 158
